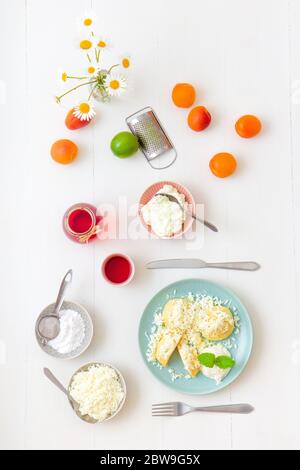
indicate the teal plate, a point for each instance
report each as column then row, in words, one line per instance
column 199, row 385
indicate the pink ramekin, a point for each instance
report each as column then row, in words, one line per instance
column 152, row 190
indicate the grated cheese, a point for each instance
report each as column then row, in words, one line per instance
column 98, row 391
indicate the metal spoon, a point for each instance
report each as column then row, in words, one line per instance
column 49, row 326
column 73, row 403
column 204, row 222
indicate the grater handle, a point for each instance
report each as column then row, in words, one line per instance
column 172, row 153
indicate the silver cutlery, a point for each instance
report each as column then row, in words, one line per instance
column 174, row 199
column 73, row 403
column 199, row 263
column 178, row 408
column 48, row 326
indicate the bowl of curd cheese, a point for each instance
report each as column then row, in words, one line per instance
column 163, row 217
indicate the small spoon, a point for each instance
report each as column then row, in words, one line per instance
column 49, row 326
column 174, row 199
column 73, row 403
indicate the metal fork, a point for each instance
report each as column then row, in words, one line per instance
column 177, row 408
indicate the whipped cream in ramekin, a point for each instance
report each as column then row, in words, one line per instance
column 164, row 216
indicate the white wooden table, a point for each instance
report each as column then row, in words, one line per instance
column 243, row 57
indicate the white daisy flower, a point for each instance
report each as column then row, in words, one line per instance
column 63, row 75
column 66, row 78
column 115, row 84
column 86, row 21
column 84, row 111
column 101, row 43
column 92, row 68
column 85, row 43
column 125, row 61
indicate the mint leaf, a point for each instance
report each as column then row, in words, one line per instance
column 207, row 359
column 224, row 362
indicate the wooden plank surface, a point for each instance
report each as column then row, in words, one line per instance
column 243, row 59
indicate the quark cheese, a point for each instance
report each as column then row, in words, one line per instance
column 215, row 372
column 98, row 391
column 165, row 217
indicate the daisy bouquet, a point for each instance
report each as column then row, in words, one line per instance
column 102, row 82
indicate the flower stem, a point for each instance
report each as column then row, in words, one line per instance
column 112, row 67
column 92, row 91
column 77, row 78
column 97, row 54
column 58, row 98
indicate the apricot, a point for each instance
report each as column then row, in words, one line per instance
column 248, row 126
column 64, row 151
column 199, row 118
column 183, row 95
column 223, row 164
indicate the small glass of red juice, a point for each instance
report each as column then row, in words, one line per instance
column 81, row 223
column 118, row 269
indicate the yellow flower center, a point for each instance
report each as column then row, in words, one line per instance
column 101, row 44
column 114, row 84
column 84, row 108
column 64, row 76
column 85, row 44
column 91, row 69
column 126, row 63
column 87, row 22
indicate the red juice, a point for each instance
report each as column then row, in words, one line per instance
column 117, row 269
column 80, row 221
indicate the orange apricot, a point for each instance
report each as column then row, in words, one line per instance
column 64, row 151
column 248, row 126
column 199, row 118
column 223, row 164
column 183, row 95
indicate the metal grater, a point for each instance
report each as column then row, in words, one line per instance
column 153, row 140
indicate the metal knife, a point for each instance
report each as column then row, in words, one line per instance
column 198, row 263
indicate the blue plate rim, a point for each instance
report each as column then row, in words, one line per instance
column 251, row 337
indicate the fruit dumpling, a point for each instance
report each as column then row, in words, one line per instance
column 215, row 323
column 178, row 315
column 189, row 348
column 166, row 345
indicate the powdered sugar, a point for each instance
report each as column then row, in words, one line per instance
column 72, row 332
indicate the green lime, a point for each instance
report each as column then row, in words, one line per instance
column 124, row 144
